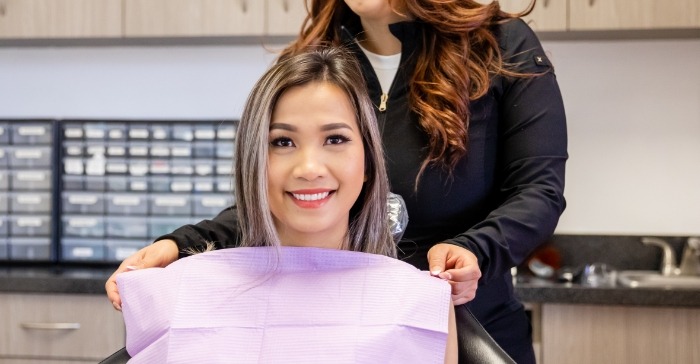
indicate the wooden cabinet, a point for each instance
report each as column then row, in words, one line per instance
column 66, row 328
column 21, row 19
column 633, row 14
column 284, row 17
column 193, row 18
column 619, row 334
column 547, row 15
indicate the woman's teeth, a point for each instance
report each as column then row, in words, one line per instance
column 311, row 197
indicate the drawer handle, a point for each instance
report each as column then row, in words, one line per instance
column 50, row 325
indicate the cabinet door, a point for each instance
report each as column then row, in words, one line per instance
column 36, row 326
column 633, row 14
column 581, row 334
column 284, row 17
column 547, row 15
column 60, row 18
column 192, row 18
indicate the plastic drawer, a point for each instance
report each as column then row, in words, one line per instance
column 224, row 150
column 127, row 227
column 203, row 167
column 73, row 183
column 95, row 131
column 119, row 249
column 127, row 204
column 158, row 226
column 30, row 202
column 138, row 184
column 204, row 132
column 138, row 149
column 4, row 133
column 226, row 133
column 170, row 204
column 116, row 131
column 31, row 180
column 181, row 150
column 183, row 132
column 116, row 149
column 4, row 180
column 95, row 183
column 203, row 185
column 117, row 183
column 3, row 227
column 31, row 133
column 160, row 183
column 161, row 132
column 4, row 159
column 76, row 249
column 224, row 185
column 182, row 167
column 204, row 149
column 181, row 184
column 138, row 167
column 29, row 157
column 83, row 203
column 73, row 131
column 224, row 168
column 210, row 204
column 83, row 226
column 34, row 249
column 4, row 253
column 159, row 167
column 138, row 131
column 4, row 202
column 159, row 150
column 30, row 225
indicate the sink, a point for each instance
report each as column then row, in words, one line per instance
column 654, row 279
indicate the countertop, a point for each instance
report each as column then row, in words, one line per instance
column 91, row 280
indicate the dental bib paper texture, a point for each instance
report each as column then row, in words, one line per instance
column 301, row 305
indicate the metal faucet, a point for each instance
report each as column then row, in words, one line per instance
column 668, row 257
column 690, row 263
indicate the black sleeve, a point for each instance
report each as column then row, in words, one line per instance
column 222, row 231
column 533, row 154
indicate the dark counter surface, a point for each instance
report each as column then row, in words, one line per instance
column 91, row 280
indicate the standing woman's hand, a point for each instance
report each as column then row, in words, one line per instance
column 457, row 265
column 159, row 254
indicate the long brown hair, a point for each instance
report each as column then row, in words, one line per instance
column 456, row 61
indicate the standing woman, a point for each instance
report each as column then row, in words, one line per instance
column 474, row 132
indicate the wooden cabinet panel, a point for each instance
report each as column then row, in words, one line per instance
column 64, row 327
column 193, row 18
column 619, row 334
column 60, row 18
column 284, row 17
column 633, row 14
column 547, row 15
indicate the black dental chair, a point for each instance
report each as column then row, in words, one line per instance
column 475, row 345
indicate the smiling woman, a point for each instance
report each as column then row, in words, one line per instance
column 308, row 130
column 314, row 279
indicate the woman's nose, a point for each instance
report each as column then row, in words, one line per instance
column 310, row 164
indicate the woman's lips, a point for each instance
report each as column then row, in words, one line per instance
column 311, row 198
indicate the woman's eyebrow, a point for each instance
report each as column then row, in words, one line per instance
column 325, row 127
column 283, row 126
column 333, row 126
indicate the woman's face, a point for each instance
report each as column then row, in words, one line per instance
column 377, row 10
column 316, row 165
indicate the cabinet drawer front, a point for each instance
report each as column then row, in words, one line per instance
column 60, row 18
column 59, row 326
column 180, row 18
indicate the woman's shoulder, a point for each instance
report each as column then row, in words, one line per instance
column 519, row 45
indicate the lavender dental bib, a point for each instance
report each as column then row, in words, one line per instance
column 305, row 305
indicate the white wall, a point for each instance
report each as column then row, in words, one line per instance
column 633, row 109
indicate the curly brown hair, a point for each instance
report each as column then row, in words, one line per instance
column 456, row 61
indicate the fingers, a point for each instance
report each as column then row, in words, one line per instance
column 437, row 258
column 462, row 271
column 158, row 254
